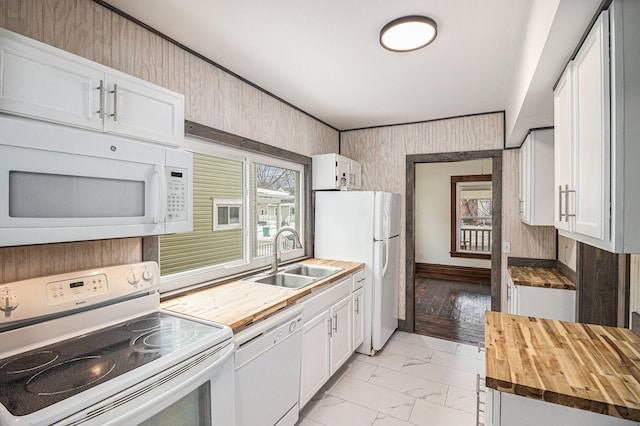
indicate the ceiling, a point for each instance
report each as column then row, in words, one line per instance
column 324, row 56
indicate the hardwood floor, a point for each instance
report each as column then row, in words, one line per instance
column 451, row 310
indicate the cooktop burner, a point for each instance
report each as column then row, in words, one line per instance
column 36, row 379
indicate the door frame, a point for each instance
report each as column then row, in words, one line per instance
column 408, row 324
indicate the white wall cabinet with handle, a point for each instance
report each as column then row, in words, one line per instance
column 536, row 178
column 596, row 149
column 42, row 82
column 335, row 171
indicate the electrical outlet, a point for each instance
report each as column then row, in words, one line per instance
column 506, row 247
column 421, row 255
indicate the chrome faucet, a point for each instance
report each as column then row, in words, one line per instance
column 274, row 260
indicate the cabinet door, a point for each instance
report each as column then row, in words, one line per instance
column 525, row 177
column 358, row 318
column 343, row 170
column 592, row 137
column 355, row 181
column 41, row 85
column 563, row 153
column 142, row 110
column 341, row 330
column 314, row 368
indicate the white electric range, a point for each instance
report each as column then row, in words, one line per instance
column 93, row 347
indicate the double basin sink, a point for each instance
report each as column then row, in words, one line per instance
column 294, row 276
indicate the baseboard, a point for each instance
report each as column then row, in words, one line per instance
column 454, row 273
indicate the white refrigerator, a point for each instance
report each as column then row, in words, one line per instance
column 364, row 226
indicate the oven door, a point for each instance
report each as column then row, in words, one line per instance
column 198, row 392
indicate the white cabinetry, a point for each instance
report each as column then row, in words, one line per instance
column 334, row 171
column 358, row 309
column 326, row 336
column 596, row 150
column 42, row 82
column 508, row 409
column 541, row 302
column 536, row 178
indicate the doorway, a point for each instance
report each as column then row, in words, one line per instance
column 446, row 299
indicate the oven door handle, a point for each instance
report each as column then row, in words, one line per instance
column 161, row 211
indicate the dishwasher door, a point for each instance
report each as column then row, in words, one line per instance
column 268, row 370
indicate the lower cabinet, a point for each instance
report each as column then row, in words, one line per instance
column 507, row 409
column 358, row 318
column 326, row 336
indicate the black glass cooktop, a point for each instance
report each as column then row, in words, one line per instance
column 34, row 380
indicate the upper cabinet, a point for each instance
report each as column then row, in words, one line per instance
column 42, row 82
column 334, row 171
column 536, row 183
column 596, row 135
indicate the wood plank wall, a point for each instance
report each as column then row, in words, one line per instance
column 212, row 97
column 382, row 152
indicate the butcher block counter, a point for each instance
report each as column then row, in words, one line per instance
column 585, row 366
column 239, row 303
column 533, row 276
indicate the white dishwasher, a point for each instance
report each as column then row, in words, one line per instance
column 268, row 370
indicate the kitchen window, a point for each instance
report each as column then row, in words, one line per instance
column 241, row 200
column 227, row 213
column 471, row 214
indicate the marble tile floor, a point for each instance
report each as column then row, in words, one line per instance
column 414, row 381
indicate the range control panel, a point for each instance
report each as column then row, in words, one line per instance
column 64, row 293
column 177, row 191
column 76, row 288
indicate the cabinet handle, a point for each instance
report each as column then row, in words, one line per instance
column 330, row 322
column 115, row 102
column 358, row 306
column 100, row 110
column 521, row 204
column 566, row 203
column 335, row 323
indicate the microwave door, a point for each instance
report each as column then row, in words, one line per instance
column 58, row 196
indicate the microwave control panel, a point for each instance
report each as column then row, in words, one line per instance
column 177, row 190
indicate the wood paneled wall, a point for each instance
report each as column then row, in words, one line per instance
column 382, row 152
column 21, row 263
column 212, row 97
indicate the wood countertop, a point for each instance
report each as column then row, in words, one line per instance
column 533, row 276
column 239, row 303
column 591, row 367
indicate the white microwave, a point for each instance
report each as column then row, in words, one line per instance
column 61, row 183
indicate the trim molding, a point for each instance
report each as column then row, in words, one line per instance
column 496, row 222
column 454, row 273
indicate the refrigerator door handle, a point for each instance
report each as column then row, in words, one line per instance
column 386, row 257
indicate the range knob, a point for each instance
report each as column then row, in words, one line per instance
column 147, row 275
column 8, row 302
column 132, row 277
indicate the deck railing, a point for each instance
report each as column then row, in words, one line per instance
column 266, row 248
column 474, row 239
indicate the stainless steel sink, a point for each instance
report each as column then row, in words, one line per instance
column 313, row 270
column 285, row 280
column 294, row 276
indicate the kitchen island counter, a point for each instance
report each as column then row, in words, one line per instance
column 239, row 303
column 590, row 367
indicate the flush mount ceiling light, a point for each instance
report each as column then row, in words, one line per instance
column 408, row 33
